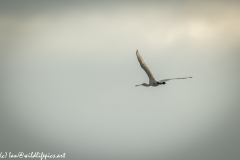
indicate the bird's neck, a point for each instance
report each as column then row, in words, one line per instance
column 146, row 85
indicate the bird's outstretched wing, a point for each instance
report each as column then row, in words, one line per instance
column 145, row 67
column 164, row 80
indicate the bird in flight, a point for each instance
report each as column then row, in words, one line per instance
column 152, row 81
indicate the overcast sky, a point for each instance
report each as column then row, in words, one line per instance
column 69, row 69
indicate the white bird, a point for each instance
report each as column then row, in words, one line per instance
column 152, row 80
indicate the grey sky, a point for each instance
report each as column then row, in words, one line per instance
column 69, row 69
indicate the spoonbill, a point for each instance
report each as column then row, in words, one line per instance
column 152, row 81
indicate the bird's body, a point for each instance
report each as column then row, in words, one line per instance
column 152, row 81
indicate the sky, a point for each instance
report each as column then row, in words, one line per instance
column 68, row 73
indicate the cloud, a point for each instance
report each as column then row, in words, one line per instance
column 161, row 25
column 74, row 67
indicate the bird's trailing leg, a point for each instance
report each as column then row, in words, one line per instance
column 161, row 83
